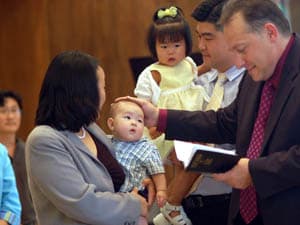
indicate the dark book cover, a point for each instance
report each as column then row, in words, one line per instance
column 211, row 162
column 204, row 158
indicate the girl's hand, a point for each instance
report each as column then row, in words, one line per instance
column 154, row 133
column 161, row 198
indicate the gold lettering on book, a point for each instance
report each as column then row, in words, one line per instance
column 199, row 161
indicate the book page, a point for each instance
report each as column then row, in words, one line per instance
column 184, row 151
column 214, row 149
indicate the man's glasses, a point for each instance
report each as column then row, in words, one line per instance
column 13, row 111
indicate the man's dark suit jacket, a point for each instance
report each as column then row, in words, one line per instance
column 276, row 173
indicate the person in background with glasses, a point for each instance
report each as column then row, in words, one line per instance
column 10, row 121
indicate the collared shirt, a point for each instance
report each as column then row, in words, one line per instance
column 140, row 159
column 10, row 206
column 209, row 79
column 275, row 78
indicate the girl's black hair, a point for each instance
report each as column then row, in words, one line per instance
column 169, row 28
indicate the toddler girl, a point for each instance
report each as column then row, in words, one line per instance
column 169, row 82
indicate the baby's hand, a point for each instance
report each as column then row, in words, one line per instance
column 161, row 198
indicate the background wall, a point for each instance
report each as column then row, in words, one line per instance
column 34, row 31
column 294, row 12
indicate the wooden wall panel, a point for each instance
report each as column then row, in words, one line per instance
column 295, row 15
column 34, row 31
column 23, row 52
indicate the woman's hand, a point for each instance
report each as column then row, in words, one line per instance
column 144, row 204
column 148, row 183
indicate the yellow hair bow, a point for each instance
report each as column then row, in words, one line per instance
column 172, row 11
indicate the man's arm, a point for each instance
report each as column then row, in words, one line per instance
column 198, row 126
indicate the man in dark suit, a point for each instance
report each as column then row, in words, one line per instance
column 263, row 121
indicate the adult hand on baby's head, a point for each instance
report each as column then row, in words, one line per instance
column 150, row 111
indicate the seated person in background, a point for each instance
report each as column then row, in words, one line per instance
column 139, row 157
column 10, row 120
column 10, row 206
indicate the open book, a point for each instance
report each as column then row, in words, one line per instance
column 203, row 158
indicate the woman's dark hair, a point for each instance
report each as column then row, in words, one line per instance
column 169, row 28
column 4, row 94
column 69, row 96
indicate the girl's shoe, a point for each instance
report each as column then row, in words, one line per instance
column 160, row 219
column 180, row 219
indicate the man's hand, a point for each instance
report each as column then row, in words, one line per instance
column 238, row 177
column 150, row 111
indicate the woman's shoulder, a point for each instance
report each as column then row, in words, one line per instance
column 42, row 130
column 42, row 133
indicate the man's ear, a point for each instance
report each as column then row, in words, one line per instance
column 110, row 123
column 271, row 30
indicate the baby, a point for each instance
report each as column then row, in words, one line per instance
column 138, row 156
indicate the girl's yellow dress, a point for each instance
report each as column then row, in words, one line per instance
column 176, row 90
